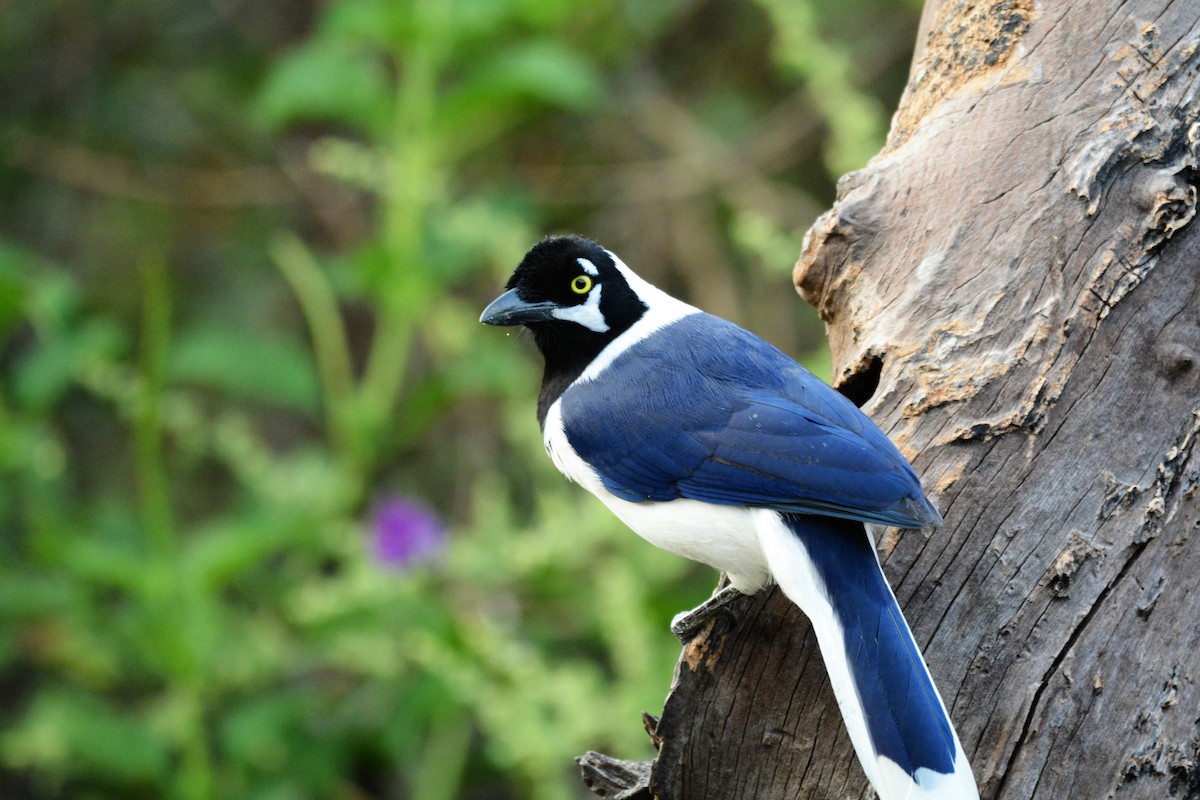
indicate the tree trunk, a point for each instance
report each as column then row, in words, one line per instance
column 1015, row 286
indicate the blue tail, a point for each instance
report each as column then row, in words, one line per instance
column 896, row 720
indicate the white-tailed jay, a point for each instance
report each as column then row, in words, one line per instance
column 712, row 444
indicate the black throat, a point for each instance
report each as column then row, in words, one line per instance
column 567, row 354
column 567, row 335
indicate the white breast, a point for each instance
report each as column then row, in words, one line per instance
column 724, row 537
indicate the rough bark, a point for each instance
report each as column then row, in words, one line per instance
column 1014, row 283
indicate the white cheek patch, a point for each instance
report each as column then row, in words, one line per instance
column 661, row 311
column 587, row 314
column 588, row 267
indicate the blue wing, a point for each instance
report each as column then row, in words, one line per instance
column 721, row 416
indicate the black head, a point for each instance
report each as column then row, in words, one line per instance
column 571, row 295
column 574, row 298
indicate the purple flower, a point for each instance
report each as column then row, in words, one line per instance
column 406, row 533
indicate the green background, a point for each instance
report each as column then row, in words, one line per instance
column 243, row 249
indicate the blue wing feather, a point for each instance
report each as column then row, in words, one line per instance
column 721, row 416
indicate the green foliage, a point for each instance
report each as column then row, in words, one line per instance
column 214, row 374
column 326, row 80
column 855, row 120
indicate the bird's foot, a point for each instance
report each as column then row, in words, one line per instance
column 687, row 624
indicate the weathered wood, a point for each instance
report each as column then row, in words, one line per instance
column 1014, row 282
column 614, row 778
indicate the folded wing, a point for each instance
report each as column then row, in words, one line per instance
column 723, row 417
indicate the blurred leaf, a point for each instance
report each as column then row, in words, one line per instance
column 326, row 81
column 349, row 161
column 246, row 365
column 382, row 23
column 35, row 448
column 291, row 732
column 108, row 565
column 14, row 262
column 43, row 375
column 446, row 746
column 546, row 71
column 258, row 732
column 79, row 735
column 53, row 299
column 775, row 249
column 546, row 13
column 225, row 550
column 27, row 594
column 482, row 231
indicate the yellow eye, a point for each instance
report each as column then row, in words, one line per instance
column 581, row 285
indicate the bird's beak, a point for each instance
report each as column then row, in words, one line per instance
column 509, row 309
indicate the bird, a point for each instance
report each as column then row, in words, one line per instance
column 713, row 444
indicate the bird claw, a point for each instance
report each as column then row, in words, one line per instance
column 687, row 624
